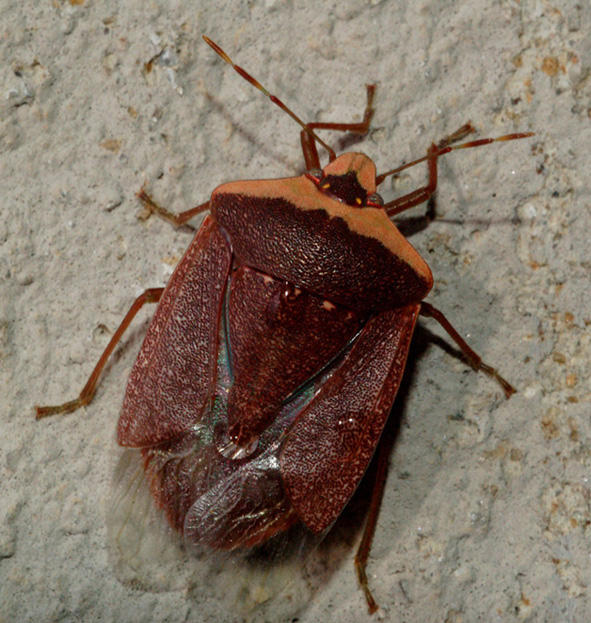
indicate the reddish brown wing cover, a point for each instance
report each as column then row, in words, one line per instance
column 329, row 446
column 173, row 378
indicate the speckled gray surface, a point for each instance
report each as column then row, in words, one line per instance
column 488, row 504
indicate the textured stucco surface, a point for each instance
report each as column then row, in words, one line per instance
column 488, row 505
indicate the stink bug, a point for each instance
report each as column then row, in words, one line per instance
column 271, row 364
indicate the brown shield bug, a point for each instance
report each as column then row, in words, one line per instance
column 273, row 359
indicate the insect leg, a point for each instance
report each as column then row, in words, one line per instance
column 176, row 219
column 151, row 295
column 420, row 195
column 473, row 359
column 309, row 144
column 456, row 136
column 377, row 495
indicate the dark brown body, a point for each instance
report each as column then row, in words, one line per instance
column 288, row 320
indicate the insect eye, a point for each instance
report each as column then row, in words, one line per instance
column 375, row 200
column 315, row 175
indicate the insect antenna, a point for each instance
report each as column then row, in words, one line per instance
column 445, row 149
column 273, row 98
